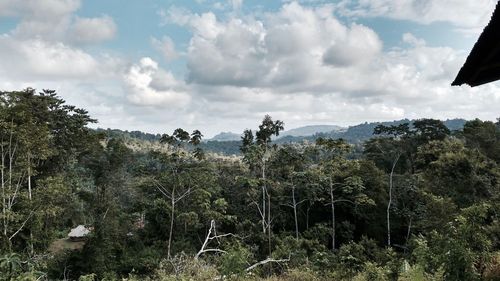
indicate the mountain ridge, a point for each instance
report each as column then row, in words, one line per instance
column 356, row 134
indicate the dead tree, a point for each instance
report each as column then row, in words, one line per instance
column 268, row 260
column 174, row 198
column 211, row 235
column 294, row 205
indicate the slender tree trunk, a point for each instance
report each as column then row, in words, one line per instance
column 29, row 178
column 11, row 153
column 172, row 215
column 269, row 222
column 32, row 250
column 390, row 200
column 408, row 232
column 332, row 203
column 307, row 215
column 295, row 213
column 4, row 201
column 263, row 196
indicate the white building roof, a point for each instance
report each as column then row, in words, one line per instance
column 79, row 231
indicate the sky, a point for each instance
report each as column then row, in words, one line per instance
column 219, row 65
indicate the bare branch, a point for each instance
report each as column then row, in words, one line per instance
column 210, row 236
column 222, row 235
column 183, row 195
column 163, row 192
column 258, row 208
column 212, row 250
column 288, row 205
column 300, row 202
column 268, row 260
column 22, row 226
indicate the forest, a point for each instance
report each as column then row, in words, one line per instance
column 415, row 202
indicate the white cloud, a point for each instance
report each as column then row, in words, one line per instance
column 48, row 20
column 92, row 30
column 304, row 65
column 301, row 64
column 149, row 85
column 360, row 45
column 466, row 15
column 412, row 40
column 166, row 47
column 296, row 49
column 39, row 9
column 55, row 20
column 44, row 44
column 236, row 4
column 35, row 58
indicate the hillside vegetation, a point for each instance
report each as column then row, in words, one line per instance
column 409, row 200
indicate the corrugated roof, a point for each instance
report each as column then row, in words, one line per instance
column 483, row 63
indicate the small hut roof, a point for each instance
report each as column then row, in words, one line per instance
column 79, row 231
column 483, row 63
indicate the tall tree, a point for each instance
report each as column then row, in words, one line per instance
column 336, row 174
column 173, row 180
column 257, row 153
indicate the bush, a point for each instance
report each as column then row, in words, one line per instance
column 372, row 272
column 300, row 275
column 183, row 267
column 235, row 261
column 417, row 273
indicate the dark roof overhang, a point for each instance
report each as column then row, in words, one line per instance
column 483, row 63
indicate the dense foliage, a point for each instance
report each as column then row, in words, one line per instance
column 415, row 202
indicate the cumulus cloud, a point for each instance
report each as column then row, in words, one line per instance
column 305, row 65
column 361, row 44
column 301, row 63
column 290, row 47
column 300, row 49
column 92, row 30
column 38, row 9
column 149, row 85
column 35, row 58
column 54, row 20
column 466, row 15
column 166, row 47
column 45, row 43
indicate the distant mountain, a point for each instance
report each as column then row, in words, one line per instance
column 297, row 132
column 226, row 136
column 310, row 130
column 362, row 132
column 228, row 143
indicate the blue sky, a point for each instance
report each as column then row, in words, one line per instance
column 222, row 65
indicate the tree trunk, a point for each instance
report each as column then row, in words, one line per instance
column 29, row 178
column 307, row 215
column 4, row 201
column 172, row 214
column 295, row 213
column 264, row 196
column 332, row 202
column 269, row 222
column 390, row 201
column 32, row 250
column 408, row 233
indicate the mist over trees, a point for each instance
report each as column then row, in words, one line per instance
column 416, row 201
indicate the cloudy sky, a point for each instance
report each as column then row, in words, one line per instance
column 219, row 65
